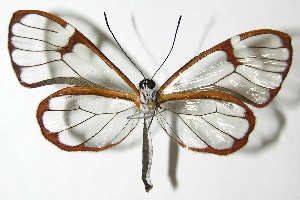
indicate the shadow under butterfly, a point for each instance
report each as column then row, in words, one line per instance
column 206, row 96
column 273, row 116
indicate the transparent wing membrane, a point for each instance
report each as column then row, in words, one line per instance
column 86, row 121
column 252, row 65
column 210, row 123
column 46, row 50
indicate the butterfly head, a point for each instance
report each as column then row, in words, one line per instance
column 147, row 84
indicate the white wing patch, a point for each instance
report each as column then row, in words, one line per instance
column 44, row 30
column 94, row 121
column 203, row 123
column 44, row 49
column 264, row 40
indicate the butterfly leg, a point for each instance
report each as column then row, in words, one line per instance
column 142, row 114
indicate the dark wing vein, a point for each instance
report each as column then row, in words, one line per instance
column 30, row 38
column 121, row 131
column 192, row 129
column 183, row 122
column 45, row 63
column 252, row 81
column 218, row 128
column 206, row 114
column 70, row 127
column 37, row 51
column 262, row 69
column 264, row 58
column 34, row 27
column 72, row 69
column 165, row 121
column 103, row 128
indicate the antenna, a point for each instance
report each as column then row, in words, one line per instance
column 120, row 45
column 171, row 47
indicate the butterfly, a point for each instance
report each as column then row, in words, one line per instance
column 206, row 97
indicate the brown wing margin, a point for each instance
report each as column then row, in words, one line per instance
column 227, row 47
column 78, row 90
column 76, row 37
column 217, row 96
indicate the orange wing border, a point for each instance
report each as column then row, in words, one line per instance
column 239, row 143
column 227, row 47
column 76, row 37
column 78, row 90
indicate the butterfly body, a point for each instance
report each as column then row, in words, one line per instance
column 148, row 98
column 201, row 107
column 148, row 95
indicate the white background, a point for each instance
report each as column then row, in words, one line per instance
column 268, row 167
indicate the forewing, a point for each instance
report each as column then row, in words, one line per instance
column 44, row 49
column 213, row 122
column 250, row 66
column 87, row 118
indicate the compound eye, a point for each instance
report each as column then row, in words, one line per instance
column 141, row 84
column 151, row 84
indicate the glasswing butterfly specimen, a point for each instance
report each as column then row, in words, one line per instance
column 102, row 106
